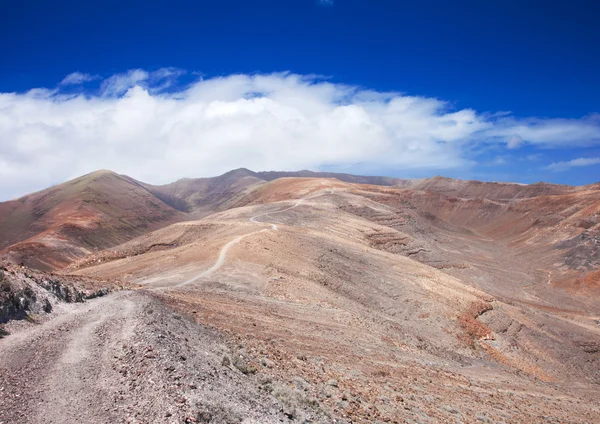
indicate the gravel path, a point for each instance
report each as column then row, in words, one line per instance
column 126, row 358
column 223, row 252
column 101, row 362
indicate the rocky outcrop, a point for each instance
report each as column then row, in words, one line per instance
column 25, row 293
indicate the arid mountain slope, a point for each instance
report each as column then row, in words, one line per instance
column 487, row 190
column 206, row 195
column 318, row 279
column 51, row 228
column 517, row 240
column 331, row 301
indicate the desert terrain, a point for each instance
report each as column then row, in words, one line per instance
column 301, row 297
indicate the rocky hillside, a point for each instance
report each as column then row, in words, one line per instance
column 27, row 293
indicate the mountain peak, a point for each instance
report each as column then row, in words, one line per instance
column 99, row 173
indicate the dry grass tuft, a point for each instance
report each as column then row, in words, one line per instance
column 468, row 320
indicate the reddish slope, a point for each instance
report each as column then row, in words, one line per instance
column 488, row 190
column 506, row 237
column 50, row 228
column 205, row 195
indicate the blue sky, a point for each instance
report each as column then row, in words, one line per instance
column 499, row 90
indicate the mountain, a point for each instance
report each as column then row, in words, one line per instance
column 378, row 288
column 510, row 240
column 206, row 195
column 488, row 190
column 314, row 298
column 50, row 228
column 348, row 178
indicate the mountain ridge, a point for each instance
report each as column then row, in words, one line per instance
column 103, row 208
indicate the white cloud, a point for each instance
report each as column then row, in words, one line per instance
column 155, row 81
column 574, row 163
column 77, row 78
column 118, row 84
column 547, row 132
column 276, row 121
column 514, row 142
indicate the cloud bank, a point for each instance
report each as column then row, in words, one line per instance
column 574, row 163
column 150, row 126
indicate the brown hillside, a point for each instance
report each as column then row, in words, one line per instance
column 203, row 196
column 51, row 228
column 353, row 283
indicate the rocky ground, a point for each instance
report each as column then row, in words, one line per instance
column 128, row 358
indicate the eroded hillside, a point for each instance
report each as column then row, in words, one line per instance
column 412, row 311
column 313, row 300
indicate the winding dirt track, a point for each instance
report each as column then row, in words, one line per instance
column 64, row 371
column 220, row 259
column 223, row 252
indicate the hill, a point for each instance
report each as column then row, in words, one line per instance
column 433, row 300
column 364, row 285
column 50, row 228
column 205, row 195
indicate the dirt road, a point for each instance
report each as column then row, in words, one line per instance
column 124, row 358
column 55, row 372
column 110, row 360
column 223, row 252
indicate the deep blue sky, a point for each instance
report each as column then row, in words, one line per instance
column 533, row 58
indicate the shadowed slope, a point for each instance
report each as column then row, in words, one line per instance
column 205, row 195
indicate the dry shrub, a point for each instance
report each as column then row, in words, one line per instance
column 468, row 320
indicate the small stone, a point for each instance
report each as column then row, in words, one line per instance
column 267, row 363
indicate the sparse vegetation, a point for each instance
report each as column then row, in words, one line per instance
column 468, row 320
column 242, row 364
column 210, row 413
column 32, row 318
column 293, row 401
column 3, row 332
